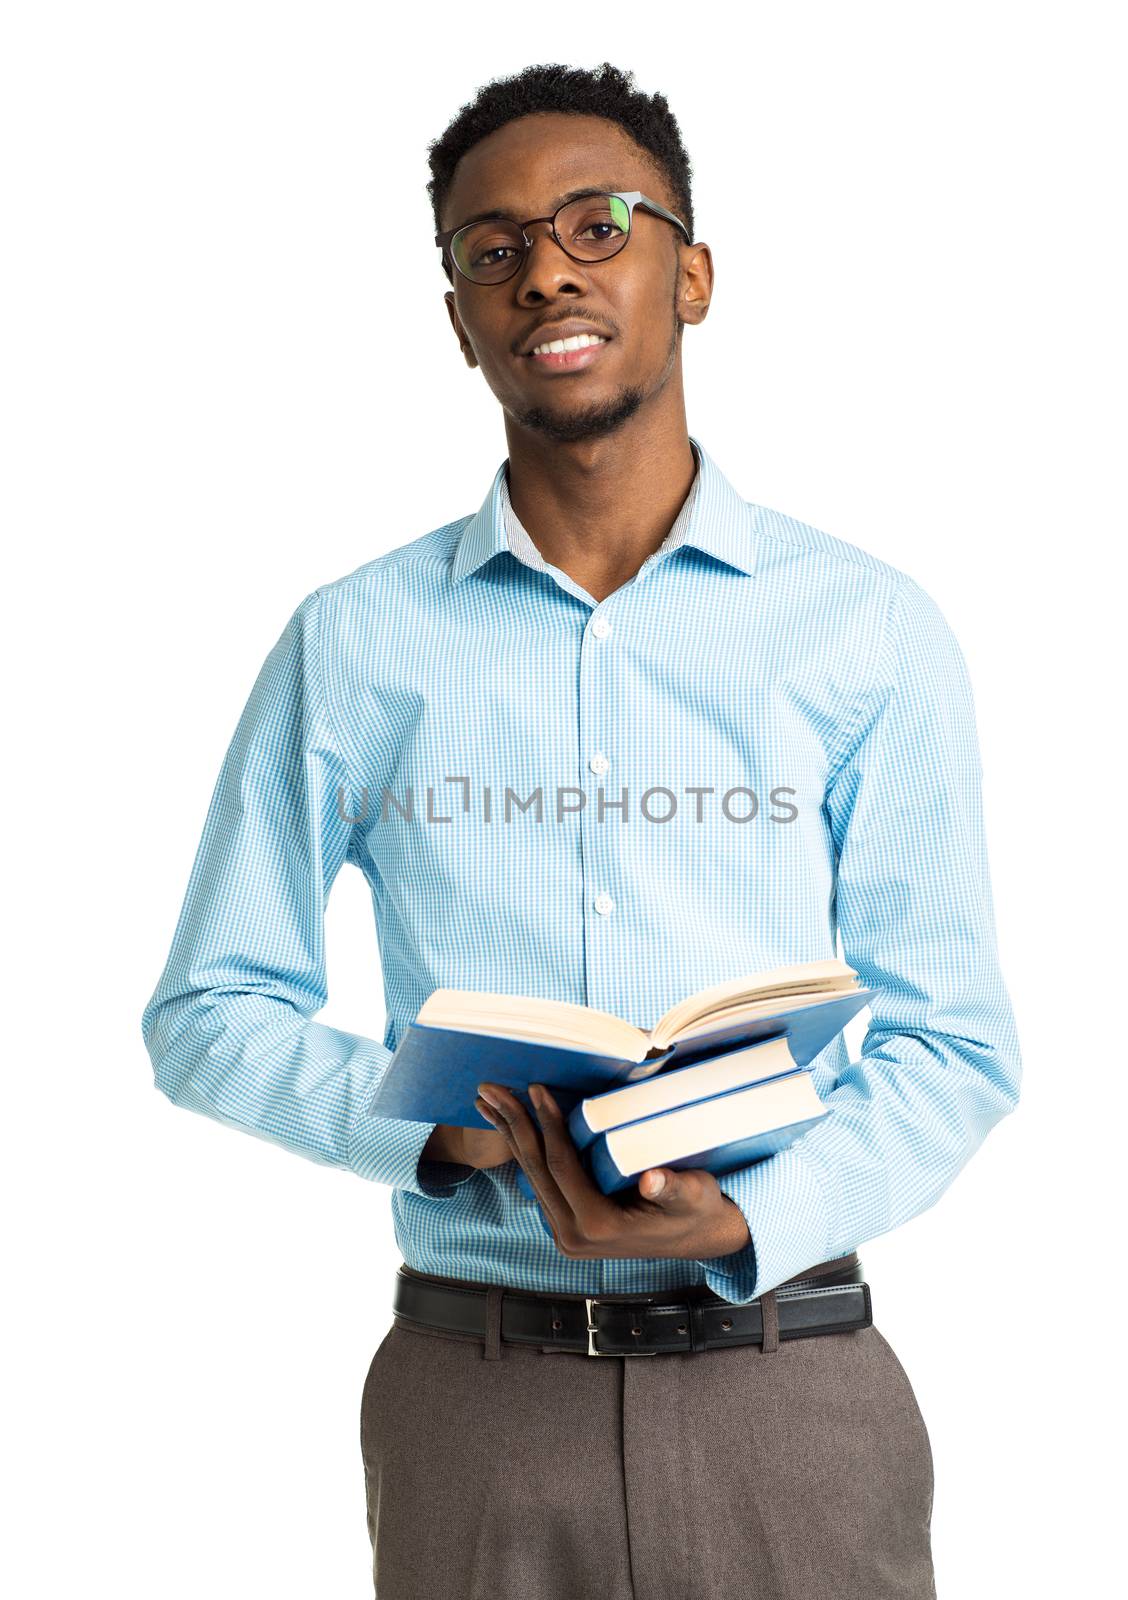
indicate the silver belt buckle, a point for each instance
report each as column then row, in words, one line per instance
column 593, row 1328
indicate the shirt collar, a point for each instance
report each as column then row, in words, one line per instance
column 714, row 518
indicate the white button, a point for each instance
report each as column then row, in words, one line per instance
column 599, row 763
column 601, row 627
column 604, row 904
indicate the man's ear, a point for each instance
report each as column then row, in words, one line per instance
column 696, row 282
column 460, row 331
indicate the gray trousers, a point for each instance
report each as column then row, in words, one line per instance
column 800, row 1470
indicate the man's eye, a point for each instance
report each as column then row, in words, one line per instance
column 492, row 254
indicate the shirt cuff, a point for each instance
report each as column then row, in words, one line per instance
column 788, row 1219
column 387, row 1150
column 442, row 1178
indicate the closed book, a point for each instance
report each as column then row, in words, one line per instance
column 679, row 1086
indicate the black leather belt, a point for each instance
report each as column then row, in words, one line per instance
column 831, row 1298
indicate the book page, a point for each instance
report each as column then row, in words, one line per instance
column 559, row 1022
column 820, row 979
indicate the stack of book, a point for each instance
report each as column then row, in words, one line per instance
column 719, row 1082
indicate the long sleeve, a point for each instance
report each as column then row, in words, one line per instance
column 940, row 1063
column 230, row 1028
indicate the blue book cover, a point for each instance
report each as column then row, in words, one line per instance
column 434, row 1074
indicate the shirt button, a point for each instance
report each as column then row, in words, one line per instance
column 601, row 627
column 599, row 763
column 604, row 904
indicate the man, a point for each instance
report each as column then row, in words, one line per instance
column 619, row 634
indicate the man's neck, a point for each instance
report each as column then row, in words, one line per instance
column 599, row 508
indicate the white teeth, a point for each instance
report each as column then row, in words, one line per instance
column 579, row 341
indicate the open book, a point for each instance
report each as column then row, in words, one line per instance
column 560, row 1022
column 462, row 1037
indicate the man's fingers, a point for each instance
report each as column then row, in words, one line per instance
column 577, row 1208
column 511, row 1116
column 591, row 1223
column 560, row 1151
column 674, row 1188
column 586, row 1222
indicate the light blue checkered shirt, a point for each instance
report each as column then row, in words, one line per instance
column 766, row 737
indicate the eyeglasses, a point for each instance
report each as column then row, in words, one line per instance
column 592, row 227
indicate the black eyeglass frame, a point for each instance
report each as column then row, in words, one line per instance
column 630, row 198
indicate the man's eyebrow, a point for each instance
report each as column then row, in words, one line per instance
column 553, row 205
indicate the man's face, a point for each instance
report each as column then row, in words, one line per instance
column 638, row 298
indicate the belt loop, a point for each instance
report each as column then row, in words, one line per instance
column 696, row 1325
column 769, row 1312
column 492, row 1349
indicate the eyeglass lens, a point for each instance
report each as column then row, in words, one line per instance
column 590, row 229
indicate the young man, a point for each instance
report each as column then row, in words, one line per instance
column 616, row 737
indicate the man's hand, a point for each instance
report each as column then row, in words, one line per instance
column 679, row 1211
column 471, row 1147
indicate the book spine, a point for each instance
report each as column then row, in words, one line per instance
column 580, row 1129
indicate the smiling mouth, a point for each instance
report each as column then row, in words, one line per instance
column 571, row 358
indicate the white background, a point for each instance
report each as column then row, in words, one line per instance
column 223, row 386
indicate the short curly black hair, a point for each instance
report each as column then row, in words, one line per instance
column 602, row 91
